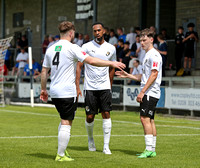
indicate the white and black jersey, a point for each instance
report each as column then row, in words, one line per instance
column 152, row 60
column 97, row 78
column 62, row 57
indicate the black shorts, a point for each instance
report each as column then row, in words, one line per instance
column 189, row 52
column 66, row 107
column 147, row 107
column 98, row 100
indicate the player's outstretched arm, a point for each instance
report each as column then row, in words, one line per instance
column 44, row 76
column 123, row 74
column 102, row 63
column 78, row 76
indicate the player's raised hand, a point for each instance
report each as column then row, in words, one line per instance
column 121, row 74
column 118, row 65
column 44, row 95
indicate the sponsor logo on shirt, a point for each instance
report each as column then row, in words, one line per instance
column 58, row 48
column 84, row 53
column 155, row 64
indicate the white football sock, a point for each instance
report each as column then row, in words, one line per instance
column 89, row 128
column 107, row 131
column 149, row 142
column 154, row 144
column 63, row 138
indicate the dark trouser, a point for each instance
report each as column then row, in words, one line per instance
column 178, row 57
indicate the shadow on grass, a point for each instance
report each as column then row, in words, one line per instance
column 80, row 148
column 42, row 155
column 129, row 152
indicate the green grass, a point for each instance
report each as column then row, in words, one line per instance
column 172, row 151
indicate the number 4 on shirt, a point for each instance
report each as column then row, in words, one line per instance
column 56, row 59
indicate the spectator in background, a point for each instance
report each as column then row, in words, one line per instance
column 23, row 43
column 162, row 49
column 121, row 34
column 119, row 48
column 190, row 38
column 137, row 30
column 125, row 56
column 80, row 40
column 86, row 38
column 164, row 34
column 22, row 59
column 7, row 58
column 155, row 41
column 45, row 44
column 76, row 38
column 56, row 38
column 124, row 52
column 51, row 41
column 179, row 48
column 113, row 39
column 36, row 66
column 15, row 69
column 126, row 59
column 135, row 46
column 137, row 50
column 35, row 71
column 17, row 45
column 137, row 70
column 107, row 34
column 131, row 37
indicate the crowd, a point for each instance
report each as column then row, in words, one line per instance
column 128, row 50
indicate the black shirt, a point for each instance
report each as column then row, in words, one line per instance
column 179, row 40
column 190, row 42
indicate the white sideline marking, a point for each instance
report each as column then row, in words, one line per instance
column 132, row 135
column 126, row 122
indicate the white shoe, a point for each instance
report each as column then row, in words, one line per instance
column 91, row 146
column 107, row 151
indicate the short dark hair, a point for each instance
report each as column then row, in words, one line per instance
column 65, row 26
column 112, row 30
column 137, row 60
column 121, row 40
column 120, row 28
column 137, row 28
column 137, row 35
column 191, row 25
column 147, row 32
column 181, row 27
column 127, row 42
column 161, row 36
column 98, row 23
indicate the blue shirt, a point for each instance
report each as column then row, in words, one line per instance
column 123, row 36
column 37, row 67
column 163, row 47
column 7, row 56
column 27, row 70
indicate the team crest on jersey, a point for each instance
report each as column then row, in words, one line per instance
column 58, row 48
column 108, row 53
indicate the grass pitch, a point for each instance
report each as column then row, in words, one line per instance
column 28, row 138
